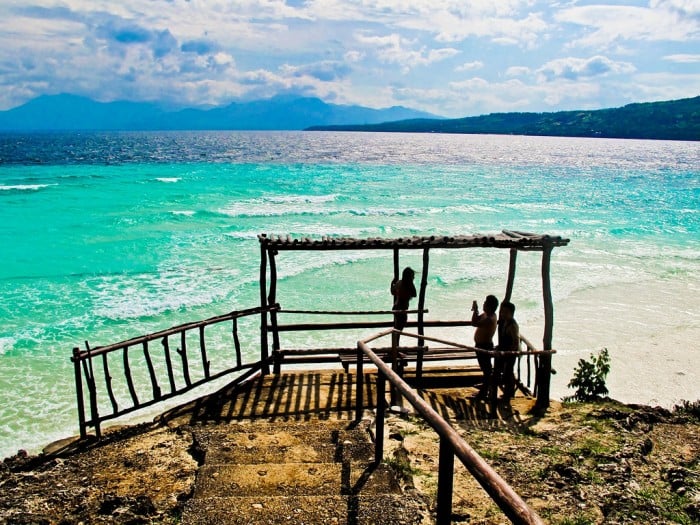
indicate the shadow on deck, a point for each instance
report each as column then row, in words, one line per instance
column 330, row 395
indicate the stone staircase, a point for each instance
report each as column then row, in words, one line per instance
column 298, row 472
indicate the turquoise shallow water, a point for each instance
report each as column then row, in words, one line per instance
column 109, row 236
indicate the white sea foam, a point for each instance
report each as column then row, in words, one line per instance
column 25, row 187
column 186, row 213
column 280, row 205
column 168, row 180
column 7, row 344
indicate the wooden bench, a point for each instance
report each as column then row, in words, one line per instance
column 419, row 355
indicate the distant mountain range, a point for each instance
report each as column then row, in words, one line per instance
column 71, row 112
column 670, row 120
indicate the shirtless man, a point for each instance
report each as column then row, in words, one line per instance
column 485, row 324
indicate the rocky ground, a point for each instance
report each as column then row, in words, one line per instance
column 580, row 464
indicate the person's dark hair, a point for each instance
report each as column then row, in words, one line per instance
column 508, row 306
column 491, row 302
column 407, row 279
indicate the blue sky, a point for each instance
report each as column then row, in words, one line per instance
column 450, row 57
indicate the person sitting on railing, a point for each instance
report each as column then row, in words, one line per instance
column 403, row 291
column 508, row 341
column 485, row 324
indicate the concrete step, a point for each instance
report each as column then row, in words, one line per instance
column 384, row 509
column 283, row 444
column 293, row 479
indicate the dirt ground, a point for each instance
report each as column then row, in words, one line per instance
column 601, row 463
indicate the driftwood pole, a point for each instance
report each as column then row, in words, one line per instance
column 271, row 300
column 544, row 372
column 396, row 264
column 263, row 307
column 421, row 294
column 108, row 384
column 79, row 392
column 511, row 274
column 168, row 363
column 151, row 371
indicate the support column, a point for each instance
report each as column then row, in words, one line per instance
column 421, row 294
column 544, row 372
column 396, row 263
column 511, row 274
column 264, row 353
column 272, row 300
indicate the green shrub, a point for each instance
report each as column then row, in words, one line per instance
column 589, row 378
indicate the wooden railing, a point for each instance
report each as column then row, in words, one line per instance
column 170, row 373
column 451, row 444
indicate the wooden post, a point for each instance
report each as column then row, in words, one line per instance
column 92, row 388
column 511, row 274
column 129, row 379
column 183, row 355
column 168, row 363
column 446, row 467
column 544, row 371
column 379, row 420
column 421, row 294
column 151, row 371
column 79, row 392
column 264, row 354
column 359, row 385
column 236, row 342
column 203, row 350
column 271, row 300
column 108, row 384
column 396, row 263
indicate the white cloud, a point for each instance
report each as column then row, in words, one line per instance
column 396, row 49
column 470, row 66
column 368, row 52
column 608, row 25
column 683, row 58
column 518, row 71
column 580, row 68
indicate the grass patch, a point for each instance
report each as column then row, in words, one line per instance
column 402, row 467
column 591, row 447
column 578, row 519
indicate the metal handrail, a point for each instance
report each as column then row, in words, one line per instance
column 451, row 443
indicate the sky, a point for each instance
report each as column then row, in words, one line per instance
column 452, row 58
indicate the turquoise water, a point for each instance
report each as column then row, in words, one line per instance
column 105, row 237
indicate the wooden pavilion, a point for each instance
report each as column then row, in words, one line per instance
column 514, row 241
